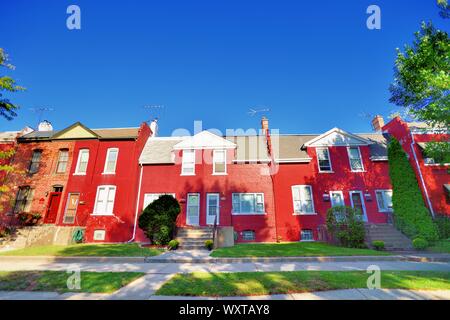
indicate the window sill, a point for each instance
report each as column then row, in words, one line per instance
column 108, row 173
column 356, row 171
column 102, row 214
column 249, row 214
column 79, row 174
column 326, row 171
column 437, row 164
column 220, row 174
column 386, row 211
column 187, row 174
column 304, row 214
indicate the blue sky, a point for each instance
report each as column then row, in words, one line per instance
column 313, row 63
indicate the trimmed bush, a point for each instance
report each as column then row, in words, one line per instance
column 378, row 245
column 173, row 244
column 209, row 244
column 420, row 244
column 411, row 216
column 347, row 226
column 443, row 225
column 158, row 219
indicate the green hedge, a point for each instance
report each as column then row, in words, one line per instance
column 411, row 216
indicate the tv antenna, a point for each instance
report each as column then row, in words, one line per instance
column 39, row 111
column 253, row 111
column 156, row 109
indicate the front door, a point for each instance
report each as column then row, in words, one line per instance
column 212, row 208
column 193, row 209
column 71, row 208
column 52, row 208
column 358, row 203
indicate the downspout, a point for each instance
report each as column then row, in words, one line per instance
column 137, row 205
column 271, row 164
column 420, row 175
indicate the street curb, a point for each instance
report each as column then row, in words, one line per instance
column 50, row 259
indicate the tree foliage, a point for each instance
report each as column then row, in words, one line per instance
column 7, row 84
column 444, row 8
column 411, row 216
column 158, row 219
column 346, row 225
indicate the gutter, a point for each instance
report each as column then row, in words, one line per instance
column 137, row 206
column 420, row 175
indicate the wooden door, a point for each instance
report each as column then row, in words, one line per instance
column 52, row 208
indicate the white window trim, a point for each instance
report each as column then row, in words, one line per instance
column 106, row 161
column 312, row 240
column 329, row 159
column 360, row 157
column 95, row 213
column 313, row 213
column 76, row 173
column 365, row 218
column 214, row 163
column 183, row 163
column 339, row 192
column 248, row 213
column 208, row 195
column 157, row 193
column 376, row 199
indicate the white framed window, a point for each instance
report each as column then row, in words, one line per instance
column 337, row 198
column 63, row 159
column 219, row 162
column 150, row 197
column 355, row 159
column 323, row 160
column 23, row 200
column 104, row 201
column 384, row 200
column 35, row 161
column 248, row 203
column 99, row 235
column 82, row 162
column 306, row 235
column 188, row 163
column 111, row 161
column 248, row 235
column 303, row 199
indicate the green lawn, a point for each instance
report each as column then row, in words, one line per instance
column 293, row 249
column 442, row 246
column 96, row 282
column 100, row 250
column 262, row 283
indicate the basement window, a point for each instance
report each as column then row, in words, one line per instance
column 99, row 235
column 248, row 235
column 306, row 235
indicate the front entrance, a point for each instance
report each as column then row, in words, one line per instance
column 212, row 208
column 357, row 200
column 71, row 208
column 193, row 209
column 52, row 208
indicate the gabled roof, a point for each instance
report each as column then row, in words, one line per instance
column 159, row 150
column 337, row 137
column 75, row 131
column 8, row 136
column 251, row 148
column 205, row 140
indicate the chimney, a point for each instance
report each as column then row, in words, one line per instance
column 154, row 127
column 377, row 123
column 45, row 126
column 264, row 124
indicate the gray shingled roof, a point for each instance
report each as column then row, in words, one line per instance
column 250, row 148
column 157, row 150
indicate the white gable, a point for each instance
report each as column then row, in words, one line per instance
column 337, row 137
column 205, row 140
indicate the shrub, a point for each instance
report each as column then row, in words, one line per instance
column 29, row 219
column 209, row 244
column 158, row 219
column 173, row 244
column 411, row 216
column 347, row 226
column 420, row 244
column 443, row 225
column 378, row 245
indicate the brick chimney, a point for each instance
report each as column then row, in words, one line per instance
column 377, row 123
column 264, row 124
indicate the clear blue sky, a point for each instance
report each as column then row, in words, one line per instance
column 313, row 63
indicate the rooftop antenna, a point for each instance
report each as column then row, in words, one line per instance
column 254, row 110
column 156, row 109
column 39, row 111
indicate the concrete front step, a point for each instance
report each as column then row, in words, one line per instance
column 392, row 238
column 192, row 247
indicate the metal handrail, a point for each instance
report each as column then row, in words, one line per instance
column 214, row 229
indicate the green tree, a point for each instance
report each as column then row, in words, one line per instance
column 8, row 84
column 5, row 169
column 444, row 8
column 411, row 216
column 346, row 225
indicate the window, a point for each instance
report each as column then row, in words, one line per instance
column 354, row 156
column 303, row 200
column 99, row 235
column 150, row 197
column 111, row 161
column 306, row 235
column 219, row 162
column 188, row 162
column 104, row 202
column 23, row 200
column 82, row 163
column 248, row 203
column 337, row 198
column 34, row 163
column 384, row 200
column 63, row 158
column 323, row 158
column 248, row 235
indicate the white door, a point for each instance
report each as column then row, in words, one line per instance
column 212, row 208
column 193, row 209
column 357, row 200
column 337, row 198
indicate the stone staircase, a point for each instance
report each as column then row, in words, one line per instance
column 393, row 239
column 194, row 238
column 40, row 235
